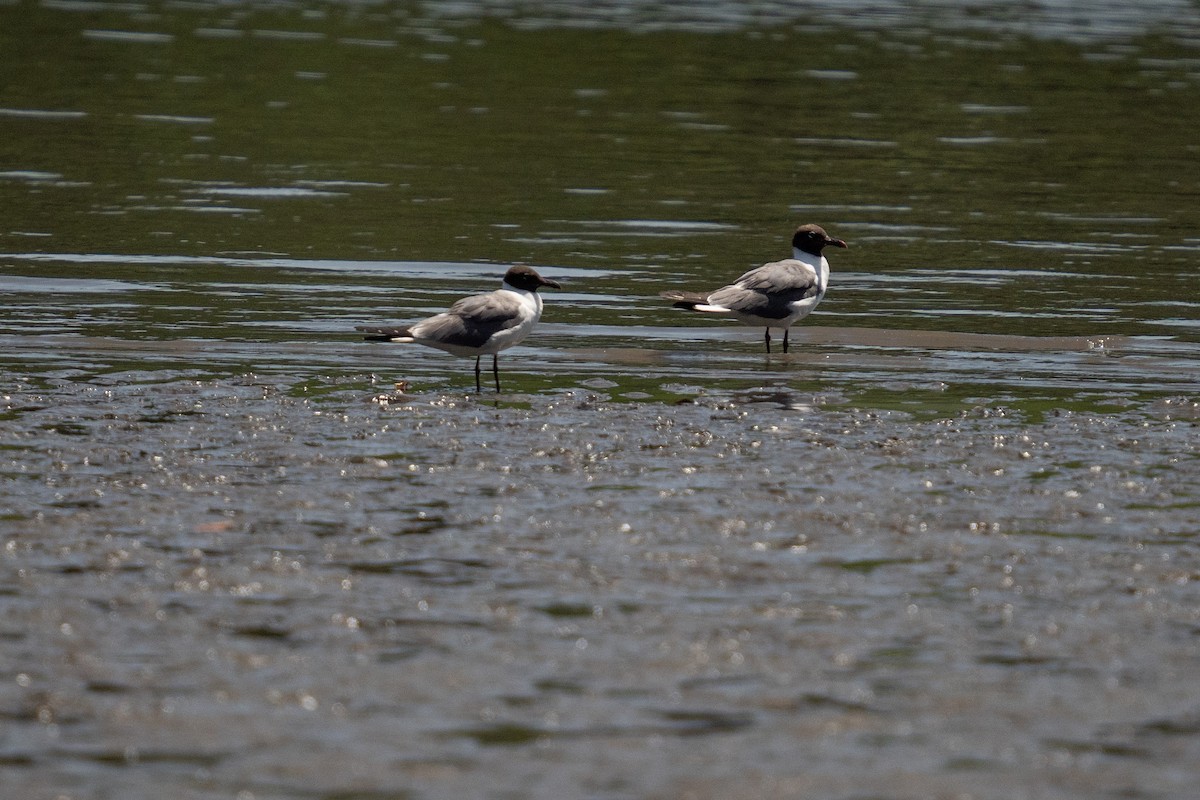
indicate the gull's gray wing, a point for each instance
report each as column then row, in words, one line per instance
column 768, row 291
column 472, row 321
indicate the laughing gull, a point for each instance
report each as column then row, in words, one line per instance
column 774, row 295
column 479, row 324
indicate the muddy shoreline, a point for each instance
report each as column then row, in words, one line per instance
column 216, row 588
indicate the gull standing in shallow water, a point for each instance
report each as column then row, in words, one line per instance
column 775, row 295
column 479, row 324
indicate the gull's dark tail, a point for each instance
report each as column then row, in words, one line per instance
column 688, row 300
column 376, row 333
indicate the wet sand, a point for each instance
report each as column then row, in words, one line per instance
column 231, row 589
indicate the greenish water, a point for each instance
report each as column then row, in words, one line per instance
column 946, row 547
column 332, row 165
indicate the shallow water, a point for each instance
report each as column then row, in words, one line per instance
column 946, row 547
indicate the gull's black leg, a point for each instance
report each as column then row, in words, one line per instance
column 785, row 333
column 496, row 369
column 477, row 385
column 767, row 338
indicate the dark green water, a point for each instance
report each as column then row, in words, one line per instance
column 332, row 165
column 946, row 547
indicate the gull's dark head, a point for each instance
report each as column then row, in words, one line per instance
column 527, row 278
column 812, row 238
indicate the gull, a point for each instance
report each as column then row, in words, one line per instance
column 775, row 295
column 479, row 324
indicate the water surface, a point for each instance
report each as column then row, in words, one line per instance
column 946, row 547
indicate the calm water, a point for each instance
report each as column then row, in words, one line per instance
column 945, row 548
